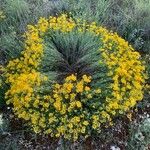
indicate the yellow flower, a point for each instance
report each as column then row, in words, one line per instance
column 79, row 87
column 68, row 87
column 46, row 105
column 89, row 96
column 36, row 129
column 129, row 116
column 72, row 96
column 43, row 24
column 85, row 123
column 57, row 105
column 86, row 78
column 98, row 91
column 71, row 78
column 70, row 125
column 48, row 131
column 83, row 129
column 87, row 88
column 57, row 86
column 78, row 103
column 94, row 126
column 36, row 103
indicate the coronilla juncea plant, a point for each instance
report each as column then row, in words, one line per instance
column 78, row 104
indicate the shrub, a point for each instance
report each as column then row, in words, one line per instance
column 131, row 20
column 64, row 85
column 17, row 13
column 140, row 135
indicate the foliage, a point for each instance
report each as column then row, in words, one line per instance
column 3, row 88
column 8, row 42
column 129, row 18
column 85, row 10
column 67, row 54
column 140, row 135
column 16, row 12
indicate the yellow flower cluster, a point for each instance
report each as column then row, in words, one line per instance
column 68, row 100
column 127, row 72
column 73, row 107
column 70, row 90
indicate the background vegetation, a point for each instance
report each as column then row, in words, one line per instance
column 129, row 18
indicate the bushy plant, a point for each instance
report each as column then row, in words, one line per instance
column 10, row 45
column 129, row 18
column 86, row 10
column 73, row 77
column 14, row 17
column 140, row 136
column 17, row 13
